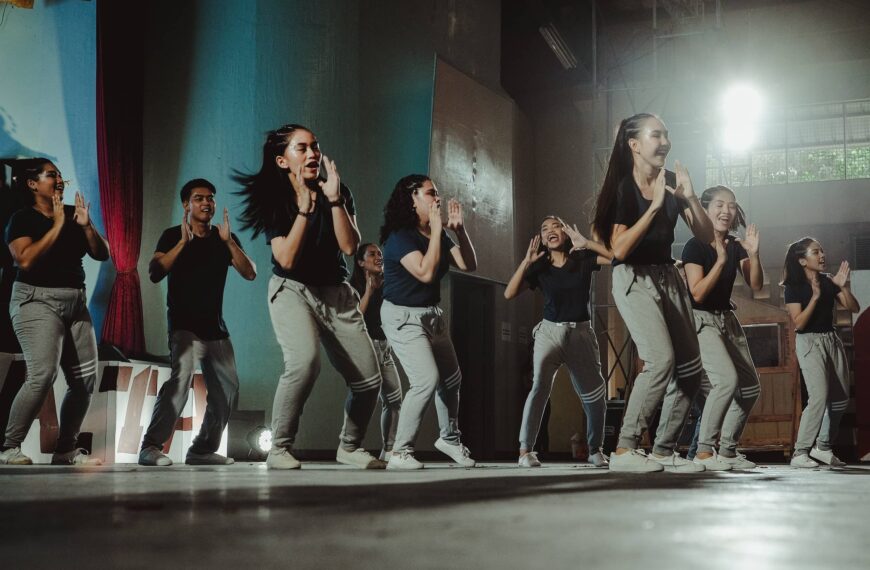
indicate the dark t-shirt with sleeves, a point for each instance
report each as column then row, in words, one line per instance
column 704, row 254
column 566, row 288
column 195, row 296
column 655, row 246
column 402, row 288
column 61, row 265
column 822, row 319
column 321, row 261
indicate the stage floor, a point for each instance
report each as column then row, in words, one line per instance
column 495, row 516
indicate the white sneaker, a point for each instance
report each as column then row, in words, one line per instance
column 458, row 453
column 827, row 457
column 739, row 462
column 529, row 459
column 598, row 459
column 633, row 461
column 803, row 461
column 403, row 460
column 13, row 456
column 676, row 464
column 713, row 463
column 385, row 455
column 359, row 458
column 75, row 457
column 281, row 458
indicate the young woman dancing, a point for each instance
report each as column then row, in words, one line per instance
column 310, row 223
column 560, row 261
column 810, row 296
column 635, row 216
column 417, row 255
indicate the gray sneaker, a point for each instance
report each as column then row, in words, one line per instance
column 738, row 462
column 598, row 459
column 803, row 461
column 153, row 457
column 634, row 461
column 359, row 458
column 194, row 458
column 713, row 463
column 13, row 456
column 75, row 457
column 458, row 453
column 676, row 464
column 826, row 457
column 281, row 458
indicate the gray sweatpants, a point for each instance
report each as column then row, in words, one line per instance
column 825, row 370
column 421, row 342
column 222, row 384
column 575, row 345
column 730, row 385
column 303, row 316
column 54, row 329
column 391, row 393
column 654, row 303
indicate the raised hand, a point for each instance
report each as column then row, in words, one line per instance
column 297, row 181
column 578, row 240
column 224, row 228
column 374, row 281
column 750, row 242
column 57, row 211
column 454, row 215
column 720, row 245
column 684, row 189
column 534, row 253
column 817, row 289
column 842, row 276
column 332, row 185
column 659, row 189
column 435, row 223
column 82, row 214
column 186, row 232
column 307, row 201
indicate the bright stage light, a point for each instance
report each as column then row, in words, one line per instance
column 260, row 439
column 742, row 107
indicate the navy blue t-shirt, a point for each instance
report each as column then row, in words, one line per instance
column 704, row 254
column 655, row 246
column 822, row 319
column 61, row 265
column 321, row 261
column 402, row 288
column 566, row 288
column 195, row 296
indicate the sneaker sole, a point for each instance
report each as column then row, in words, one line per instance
column 397, row 468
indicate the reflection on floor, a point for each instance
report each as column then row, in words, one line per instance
column 495, row 516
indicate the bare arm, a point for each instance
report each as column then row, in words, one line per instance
column 700, row 285
column 240, row 260
column 424, row 267
column 845, row 296
column 692, row 213
column 801, row 316
column 27, row 252
column 624, row 238
column 346, row 230
column 98, row 247
column 517, row 284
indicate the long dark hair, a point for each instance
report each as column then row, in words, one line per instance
column 707, row 197
column 22, row 171
column 621, row 165
column 358, row 277
column 399, row 213
column 792, row 271
column 268, row 195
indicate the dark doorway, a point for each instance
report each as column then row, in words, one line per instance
column 472, row 328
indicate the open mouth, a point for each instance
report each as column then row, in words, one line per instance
column 313, row 165
column 552, row 238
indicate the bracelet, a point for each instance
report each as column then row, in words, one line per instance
column 337, row 203
column 305, row 214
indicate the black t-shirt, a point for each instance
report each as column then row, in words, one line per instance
column 822, row 319
column 372, row 315
column 320, row 262
column 566, row 288
column 655, row 246
column 402, row 288
column 61, row 265
column 704, row 254
column 195, row 297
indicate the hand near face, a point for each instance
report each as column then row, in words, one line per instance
column 534, row 252
column 842, row 276
column 578, row 240
column 684, row 189
column 57, row 211
column 435, row 223
column 331, row 187
column 82, row 214
column 224, row 228
column 186, row 232
column 454, row 215
column 817, row 289
column 720, row 245
column 750, row 242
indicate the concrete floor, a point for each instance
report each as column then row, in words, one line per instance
column 496, row 516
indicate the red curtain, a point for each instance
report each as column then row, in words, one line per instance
column 120, row 83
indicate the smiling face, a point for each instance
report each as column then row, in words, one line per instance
column 552, row 234
column 373, row 260
column 651, row 145
column 302, row 150
column 814, row 258
column 423, row 198
column 722, row 210
column 47, row 184
column 200, row 205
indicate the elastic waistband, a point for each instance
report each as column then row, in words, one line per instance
column 569, row 324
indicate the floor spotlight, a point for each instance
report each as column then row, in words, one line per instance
column 260, row 440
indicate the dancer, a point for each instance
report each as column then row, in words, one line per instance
column 809, row 297
column 49, row 310
column 195, row 255
column 730, row 385
column 560, row 261
column 310, row 223
column 368, row 280
column 635, row 217
column 417, row 255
